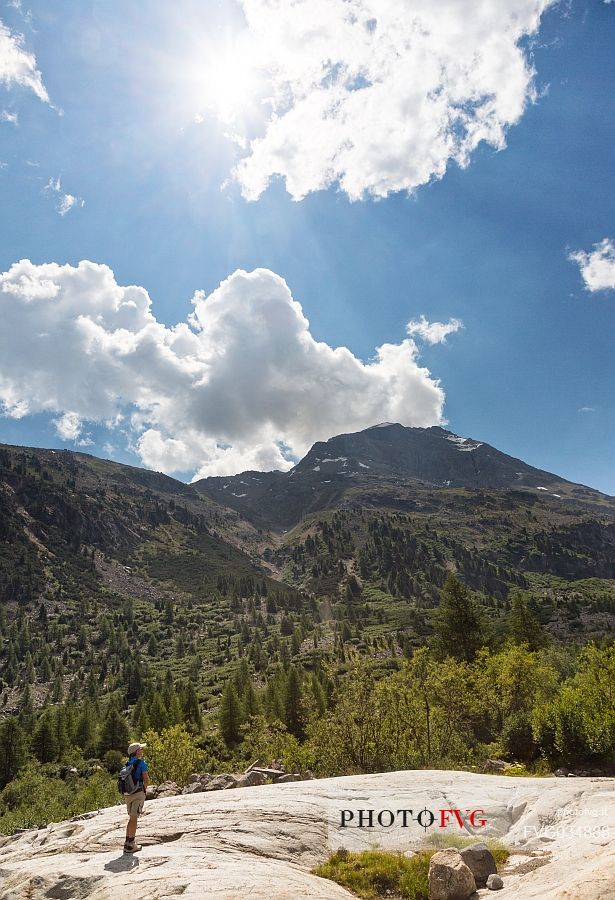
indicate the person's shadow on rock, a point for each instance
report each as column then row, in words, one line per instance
column 124, row 863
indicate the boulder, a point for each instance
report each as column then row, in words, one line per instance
column 449, row 877
column 479, row 860
column 167, row 789
column 560, row 773
column 222, row 783
column 194, row 777
column 284, row 779
column 194, row 788
column 205, row 778
column 494, row 765
column 495, row 883
column 251, row 779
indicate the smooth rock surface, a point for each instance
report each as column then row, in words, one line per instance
column 262, row 843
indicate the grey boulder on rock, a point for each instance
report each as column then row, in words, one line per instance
column 449, row 877
column 495, row 883
column 167, row 789
column 251, row 779
column 479, row 860
column 195, row 787
column 221, row 783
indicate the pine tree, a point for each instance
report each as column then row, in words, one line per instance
column 44, row 742
column 58, row 689
column 293, row 706
column 85, row 730
column 134, row 681
column 45, row 668
column 12, row 749
column 274, row 701
column 26, row 709
column 11, row 664
column 320, row 699
column 30, row 673
column 251, row 703
column 175, row 713
column 141, row 718
column 523, row 626
column 113, row 732
column 61, row 729
column 242, row 677
column 230, row 715
column 191, row 708
column 458, row 627
column 171, row 701
column 158, row 713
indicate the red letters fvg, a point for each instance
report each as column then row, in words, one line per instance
column 425, row 818
column 446, row 814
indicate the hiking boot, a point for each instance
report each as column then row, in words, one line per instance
column 131, row 846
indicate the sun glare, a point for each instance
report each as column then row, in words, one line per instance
column 229, row 82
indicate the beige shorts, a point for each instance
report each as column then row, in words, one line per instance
column 135, row 803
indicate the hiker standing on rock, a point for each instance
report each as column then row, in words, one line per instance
column 133, row 782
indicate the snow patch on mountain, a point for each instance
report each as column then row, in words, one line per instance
column 463, row 444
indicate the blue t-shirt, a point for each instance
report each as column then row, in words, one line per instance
column 138, row 770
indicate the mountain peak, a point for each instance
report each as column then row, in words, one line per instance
column 377, row 462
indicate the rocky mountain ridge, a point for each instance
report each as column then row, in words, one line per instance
column 380, row 458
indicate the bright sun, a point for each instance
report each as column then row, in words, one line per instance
column 228, row 84
column 229, row 81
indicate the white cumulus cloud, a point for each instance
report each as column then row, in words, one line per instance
column 598, row 266
column 378, row 96
column 18, row 65
column 240, row 384
column 433, row 332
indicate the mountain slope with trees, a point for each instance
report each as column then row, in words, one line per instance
column 135, row 604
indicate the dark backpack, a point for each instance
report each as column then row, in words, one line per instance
column 127, row 782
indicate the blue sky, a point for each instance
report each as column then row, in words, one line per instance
column 129, row 128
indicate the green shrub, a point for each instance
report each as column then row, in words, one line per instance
column 379, row 873
column 113, row 760
column 517, row 771
column 36, row 798
column 172, row 754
